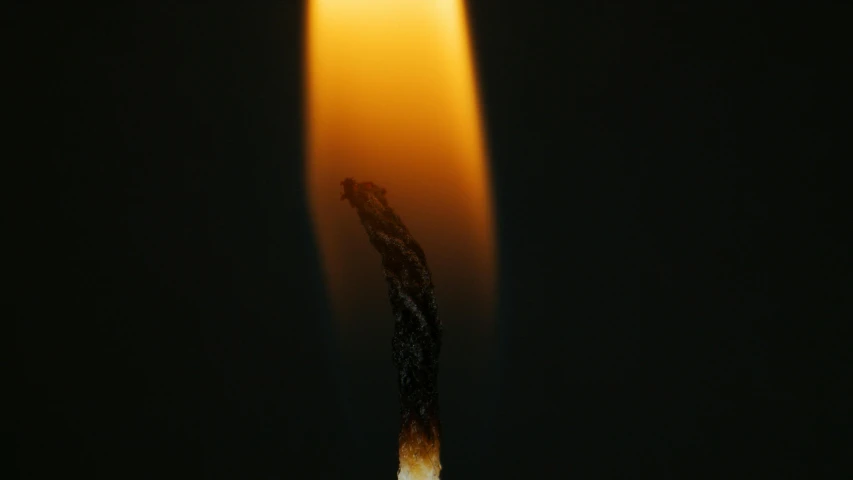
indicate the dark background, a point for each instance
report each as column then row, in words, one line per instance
column 675, row 279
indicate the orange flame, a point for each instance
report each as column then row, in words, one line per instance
column 391, row 97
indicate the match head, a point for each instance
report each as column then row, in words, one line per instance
column 358, row 192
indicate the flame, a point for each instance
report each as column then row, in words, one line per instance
column 391, row 98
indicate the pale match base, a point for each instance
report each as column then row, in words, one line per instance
column 419, row 460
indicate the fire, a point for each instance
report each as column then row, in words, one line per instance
column 392, row 98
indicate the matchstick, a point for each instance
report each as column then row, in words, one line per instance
column 417, row 329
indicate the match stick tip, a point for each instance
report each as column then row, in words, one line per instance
column 357, row 192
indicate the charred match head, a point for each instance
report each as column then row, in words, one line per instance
column 359, row 192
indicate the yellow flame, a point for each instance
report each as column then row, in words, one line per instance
column 391, row 98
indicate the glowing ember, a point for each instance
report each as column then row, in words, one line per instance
column 419, row 457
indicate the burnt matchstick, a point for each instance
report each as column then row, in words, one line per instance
column 417, row 330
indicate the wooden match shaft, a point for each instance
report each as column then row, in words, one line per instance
column 417, row 329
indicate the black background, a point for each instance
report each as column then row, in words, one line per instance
column 675, row 278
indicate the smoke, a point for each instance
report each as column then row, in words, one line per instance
column 417, row 329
